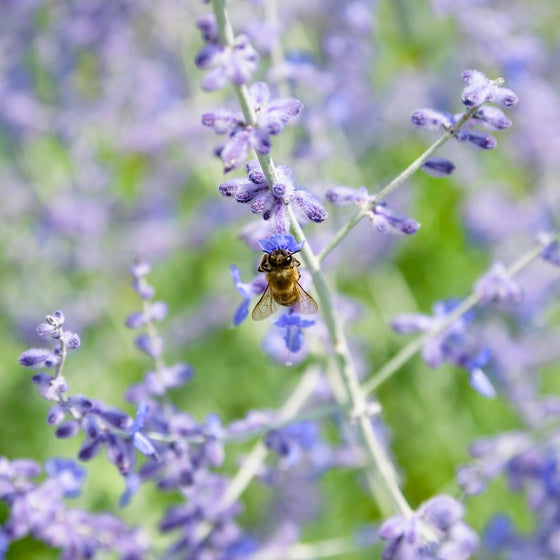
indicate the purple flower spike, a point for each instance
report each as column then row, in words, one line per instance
column 280, row 241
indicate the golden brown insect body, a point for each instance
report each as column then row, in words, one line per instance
column 282, row 275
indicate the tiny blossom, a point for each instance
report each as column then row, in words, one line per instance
column 551, row 250
column 293, row 323
column 498, row 287
column 152, row 346
column 480, row 89
column 271, row 202
column 37, row 358
column 248, row 291
column 141, row 442
column 386, row 221
column 226, row 63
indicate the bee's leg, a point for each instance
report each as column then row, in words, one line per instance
column 296, row 262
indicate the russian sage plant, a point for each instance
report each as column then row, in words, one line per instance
column 293, row 131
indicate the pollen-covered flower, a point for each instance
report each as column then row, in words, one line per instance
column 271, row 115
column 271, row 201
column 226, row 63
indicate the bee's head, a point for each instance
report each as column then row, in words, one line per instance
column 280, row 257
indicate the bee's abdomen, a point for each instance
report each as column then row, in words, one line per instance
column 286, row 298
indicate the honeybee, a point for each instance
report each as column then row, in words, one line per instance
column 282, row 275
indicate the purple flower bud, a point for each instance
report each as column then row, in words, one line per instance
column 235, row 151
column 38, row 358
column 56, row 415
column 551, row 251
column 504, row 97
column 58, row 317
column 470, row 479
column 438, row 167
column 478, row 89
column 114, row 416
column 393, row 528
column 151, row 346
column 255, row 173
column 136, row 320
column 208, row 28
column 79, row 404
column 44, row 330
column 143, row 289
column 25, row 468
column 429, row 119
column 248, row 191
column 347, row 196
column 90, row 426
column 483, row 141
column 71, row 339
column 492, row 118
column 443, row 512
column 276, row 441
column 386, row 221
column 90, row 448
column 140, row 269
column 310, row 206
column 67, row 429
column 221, row 121
column 158, row 311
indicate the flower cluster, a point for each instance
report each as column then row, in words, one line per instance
column 436, row 532
column 271, row 201
column 39, row 509
column 478, row 91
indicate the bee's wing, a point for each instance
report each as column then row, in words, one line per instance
column 265, row 307
column 305, row 303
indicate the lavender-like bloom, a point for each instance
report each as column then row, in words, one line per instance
column 272, row 116
column 39, row 510
column 271, row 201
column 248, row 291
column 347, row 196
column 226, row 63
column 440, row 517
column 293, row 323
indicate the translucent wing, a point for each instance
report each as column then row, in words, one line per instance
column 305, row 303
column 265, row 307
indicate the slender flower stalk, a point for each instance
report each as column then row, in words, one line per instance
column 395, row 183
column 393, row 365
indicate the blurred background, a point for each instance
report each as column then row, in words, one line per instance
column 103, row 159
